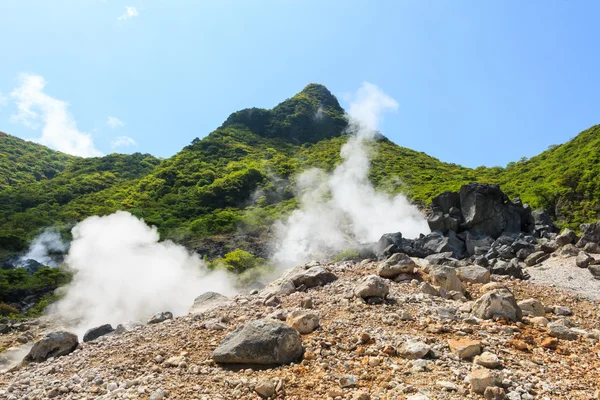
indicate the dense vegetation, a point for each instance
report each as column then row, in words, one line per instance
column 26, row 162
column 240, row 178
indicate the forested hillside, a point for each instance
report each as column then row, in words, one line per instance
column 240, row 178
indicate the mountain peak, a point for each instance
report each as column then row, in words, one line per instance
column 308, row 117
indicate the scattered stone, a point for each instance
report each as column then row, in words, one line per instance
column 208, row 301
column 265, row 388
column 446, row 278
column 550, row 343
column 499, row 303
column 397, row 264
column 260, row 342
column 481, row 379
column 590, row 233
column 560, row 331
column 313, row 277
column 540, row 321
column 54, row 344
column 594, row 270
column 583, row 259
column 532, row 308
column 562, row 310
column 473, row 274
column 592, row 248
column 95, row 333
column 413, row 350
column 372, row 286
column 465, row 348
column 569, row 250
column 487, row 360
column 494, row 393
column 426, row 288
column 302, row 321
column 536, row 258
column 160, row 317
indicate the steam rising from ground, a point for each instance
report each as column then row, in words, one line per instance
column 124, row 273
column 41, row 248
column 343, row 208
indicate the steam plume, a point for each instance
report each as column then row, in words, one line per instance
column 124, row 273
column 343, row 208
column 43, row 246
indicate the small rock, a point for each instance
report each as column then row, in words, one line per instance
column 398, row 263
column 494, row 393
column 302, row 321
column 413, row 350
column 465, row 348
column 95, row 333
column 550, row 343
column 481, row 379
column 446, row 278
column 532, row 307
column 561, row 332
column 160, row 317
column 426, row 288
column 499, row 303
column 487, row 360
column 473, row 274
column 562, row 310
column 265, row 388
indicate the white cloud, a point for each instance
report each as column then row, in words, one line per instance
column 115, row 122
column 131, row 12
column 59, row 130
column 123, row 141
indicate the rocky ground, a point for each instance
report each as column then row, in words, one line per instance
column 410, row 345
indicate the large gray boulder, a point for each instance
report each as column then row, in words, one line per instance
column 312, row 277
column 372, row 286
column 446, row 278
column 208, row 301
column 263, row 341
column 54, row 344
column 499, row 303
column 567, row 236
column 473, row 274
column 397, row 264
column 95, row 333
column 478, row 244
column 485, row 211
column 436, row 243
column 543, row 223
column 583, row 260
column 590, row 233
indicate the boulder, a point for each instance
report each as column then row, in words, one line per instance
column 498, row 303
column 95, row 333
column 313, row 277
column 372, row 286
column 446, row 201
column 594, row 270
column 387, row 240
column 303, row 321
column 478, row 244
column 263, row 341
column 567, row 236
column 436, row 243
column 568, row 250
column 583, row 260
column 590, row 233
column 512, row 268
column 208, row 301
column 532, row 308
column 426, row 288
column 593, row 248
column 446, row 278
column 473, row 274
column 543, row 223
column 54, row 344
column 397, row 264
column 160, row 317
column 485, row 212
column 536, row 258
column 560, row 331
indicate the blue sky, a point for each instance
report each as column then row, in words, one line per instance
column 478, row 82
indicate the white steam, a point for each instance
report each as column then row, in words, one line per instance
column 43, row 246
column 124, row 273
column 343, row 208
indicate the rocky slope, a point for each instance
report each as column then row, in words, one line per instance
column 363, row 337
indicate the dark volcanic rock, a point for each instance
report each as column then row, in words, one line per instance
column 590, row 233
column 543, row 223
column 95, row 333
column 54, row 344
column 484, row 211
column 264, row 341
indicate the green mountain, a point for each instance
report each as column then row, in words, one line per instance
column 223, row 191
